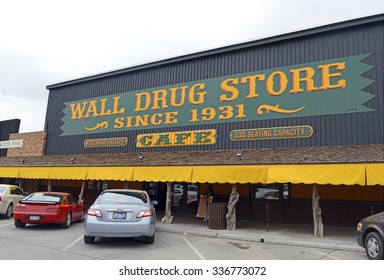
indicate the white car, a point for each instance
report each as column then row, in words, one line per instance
column 10, row 195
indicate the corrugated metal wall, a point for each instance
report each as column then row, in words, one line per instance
column 331, row 130
column 6, row 128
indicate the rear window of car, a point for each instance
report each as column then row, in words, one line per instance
column 45, row 197
column 123, row 198
column 2, row 189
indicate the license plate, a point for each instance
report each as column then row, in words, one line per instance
column 34, row 218
column 119, row 215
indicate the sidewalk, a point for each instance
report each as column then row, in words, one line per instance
column 335, row 238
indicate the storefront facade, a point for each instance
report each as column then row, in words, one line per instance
column 275, row 117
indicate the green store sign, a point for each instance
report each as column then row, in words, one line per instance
column 319, row 88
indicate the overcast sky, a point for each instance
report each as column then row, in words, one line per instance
column 46, row 42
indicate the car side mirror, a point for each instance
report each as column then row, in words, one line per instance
column 155, row 203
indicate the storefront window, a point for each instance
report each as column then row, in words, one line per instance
column 182, row 198
column 271, row 192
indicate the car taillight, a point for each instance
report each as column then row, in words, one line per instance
column 0, row 198
column 94, row 212
column 52, row 209
column 145, row 213
column 20, row 208
column 359, row 226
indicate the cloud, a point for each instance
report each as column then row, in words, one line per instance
column 30, row 109
column 47, row 42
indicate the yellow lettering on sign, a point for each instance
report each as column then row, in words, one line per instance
column 156, row 119
column 282, row 85
column 159, row 96
column 181, row 97
column 182, row 138
column 147, row 108
column 252, row 84
column 142, row 105
column 233, row 91
column 162, row 98
column 200, row 95
column 297, row 79
column 326, row 75
column 95, row 108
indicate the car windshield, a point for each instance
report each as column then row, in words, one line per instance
column 2, row 189
column 44, row 197
column 123, row 198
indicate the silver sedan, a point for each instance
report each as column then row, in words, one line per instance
column 121, row 213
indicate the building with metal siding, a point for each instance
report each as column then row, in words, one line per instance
column 364, row 36
column 335, row 146
column 6, row 128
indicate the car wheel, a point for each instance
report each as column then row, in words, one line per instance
column 82, row 217
column 89, row 239
column 19, row 224
column 9, row 212
column 67, row 222
column 150, row 239
column 374, row 246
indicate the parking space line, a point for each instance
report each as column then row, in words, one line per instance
column 73, row 243
column 5, row 225
column 194, row 249
column 326, row 255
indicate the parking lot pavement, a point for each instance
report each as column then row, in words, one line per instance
column 184, row 233
column 50, row 242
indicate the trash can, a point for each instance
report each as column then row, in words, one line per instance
column 216, row 215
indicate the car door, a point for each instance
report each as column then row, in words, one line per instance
column 16, row 194
column 75, row 208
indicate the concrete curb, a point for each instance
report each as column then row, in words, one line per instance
column 263, row 239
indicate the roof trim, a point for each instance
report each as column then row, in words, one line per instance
column 230, row 48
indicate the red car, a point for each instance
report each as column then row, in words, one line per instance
column 48, row 208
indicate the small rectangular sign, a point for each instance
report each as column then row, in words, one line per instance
column 11, row 144
column 105, row 142
column 272, row 133
column 180, row 138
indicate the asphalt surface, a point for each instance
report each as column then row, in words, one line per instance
column 335, row 238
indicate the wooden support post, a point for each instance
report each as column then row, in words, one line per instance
column 231, row 214
column 126, row 185
column 49, row 187
column 316, row 211
column 167, row 219
column 82, row 193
